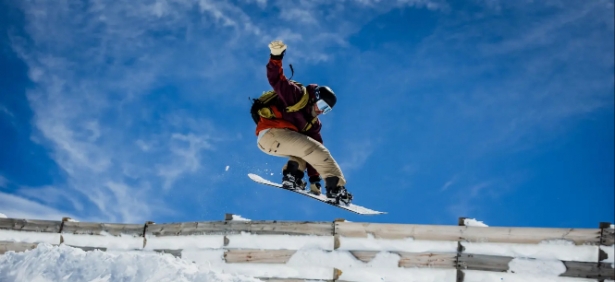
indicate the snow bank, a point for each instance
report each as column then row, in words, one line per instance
column 279, row 242
column 239, row 218
column 184, row 242
column 610, row 252
column 547, row 250
column 384, row 267
column 123, row 242
column 29, row 237
column 404, row 245
column 474, row 223
column 63, row 263
column 536, row 267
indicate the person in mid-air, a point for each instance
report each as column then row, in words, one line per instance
column 288, row 126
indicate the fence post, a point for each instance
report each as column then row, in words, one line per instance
column 145, row 231
column 64, row 219
column 460, row 274
column 336, row 238
column 605, row 232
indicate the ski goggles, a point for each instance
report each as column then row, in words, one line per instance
column 321, row 104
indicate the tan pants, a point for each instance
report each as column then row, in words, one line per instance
column 301, row 148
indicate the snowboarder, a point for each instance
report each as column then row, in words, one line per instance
column 289, row 127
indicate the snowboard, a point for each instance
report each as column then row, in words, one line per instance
column 322, row 198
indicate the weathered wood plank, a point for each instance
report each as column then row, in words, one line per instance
column 93, row 228
column 89, row 249
column 237, row 227
column 501, row 264
column 175, row 253
column 467, row 233
column 16, row 246
column 258, row 256
column 413, row 260
column 282, row 227
column 427, row 260
column 30, row 225
column 335, row 278
column 608, row 237
column 483, row 262
column 170, row 229
column 398, row 231
column 524, row 235
column 589, row 270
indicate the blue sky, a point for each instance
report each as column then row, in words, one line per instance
column 132, row 110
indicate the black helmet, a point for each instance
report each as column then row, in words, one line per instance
column 327, row 95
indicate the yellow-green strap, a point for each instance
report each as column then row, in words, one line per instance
column 301, row 104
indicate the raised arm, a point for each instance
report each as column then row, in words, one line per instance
column 288, row 92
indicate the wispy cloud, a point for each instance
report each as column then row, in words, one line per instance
column 468, row 199
column 448, row 184
column 110, row 76
column 186, row 157
column 355, row 154
column 7, row 115
column 6, row 111
column 52, row 196
column 17, row 207
column 3, row 181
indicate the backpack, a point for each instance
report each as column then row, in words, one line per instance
column 261, row 106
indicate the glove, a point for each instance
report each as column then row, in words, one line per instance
column 278, row 48
column 315, row 186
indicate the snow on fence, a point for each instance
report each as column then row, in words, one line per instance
column 342, row 251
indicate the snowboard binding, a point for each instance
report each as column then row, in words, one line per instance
column 344, row 197
column 292, row 177
column 339, row 195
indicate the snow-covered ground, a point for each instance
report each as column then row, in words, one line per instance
column 64, row 263
column 312, row 257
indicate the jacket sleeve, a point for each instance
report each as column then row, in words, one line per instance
column 288, row 92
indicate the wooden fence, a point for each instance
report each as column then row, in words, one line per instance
column 221, row 233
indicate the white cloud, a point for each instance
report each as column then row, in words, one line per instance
column 355, row 154
column 301, row 15
column 3, row 181
column 143, row 145
column 52, row 196
column 186, row 157
column 6, row 111
column 17, row 207
column 475, row 190
column 125, row 195
column 448, row 184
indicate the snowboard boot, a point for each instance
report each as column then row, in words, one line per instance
column 315, row 186
column 335, row 192
column 292, row 178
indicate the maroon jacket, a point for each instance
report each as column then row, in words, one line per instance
column 289, row 94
